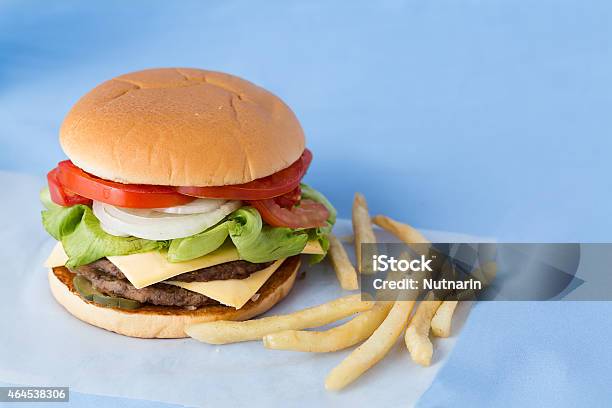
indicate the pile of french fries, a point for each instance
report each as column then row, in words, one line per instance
column 377, row 325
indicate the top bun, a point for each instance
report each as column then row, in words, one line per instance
column 181, row 127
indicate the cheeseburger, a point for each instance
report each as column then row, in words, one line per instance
column 181, row 201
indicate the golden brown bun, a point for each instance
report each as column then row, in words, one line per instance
column 164, row 321
column 181, row 127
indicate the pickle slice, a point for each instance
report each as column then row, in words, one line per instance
column 111, row 301
column 84, row 287
column 88, row 292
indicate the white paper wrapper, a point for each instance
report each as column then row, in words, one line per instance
column 41, row 344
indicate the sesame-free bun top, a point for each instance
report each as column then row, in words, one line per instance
column 181, row 127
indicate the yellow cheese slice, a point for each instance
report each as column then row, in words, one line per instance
column 232, row 292
column 313, row 248
column 148, row 268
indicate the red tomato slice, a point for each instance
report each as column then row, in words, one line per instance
column 123, row 195
column 290, row 199
column 61, row 196
column 308, row 214
column 272, row 186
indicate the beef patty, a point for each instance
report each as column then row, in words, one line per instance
column 228, row 270
column 108, row 278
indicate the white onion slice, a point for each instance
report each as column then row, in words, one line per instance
column 197, row 206
column 111, row 231
column 149, row 224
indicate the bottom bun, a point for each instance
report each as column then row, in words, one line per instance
column 166, row 321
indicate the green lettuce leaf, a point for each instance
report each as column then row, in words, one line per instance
column 258, row 243
column 244, row 226
column 254, row 241
column 195, row 246
column 84, row 240
column 61, row 221
column 275, row 243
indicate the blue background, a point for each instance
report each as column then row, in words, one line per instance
column 485, row 117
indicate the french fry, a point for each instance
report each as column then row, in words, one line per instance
column 362, row 227
column 345, row 271
column 417, row 333
column 346, row 335
column 403, row 232
column 441, row 322
column 373, row 349
column 223, row 332
column 347, row 239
